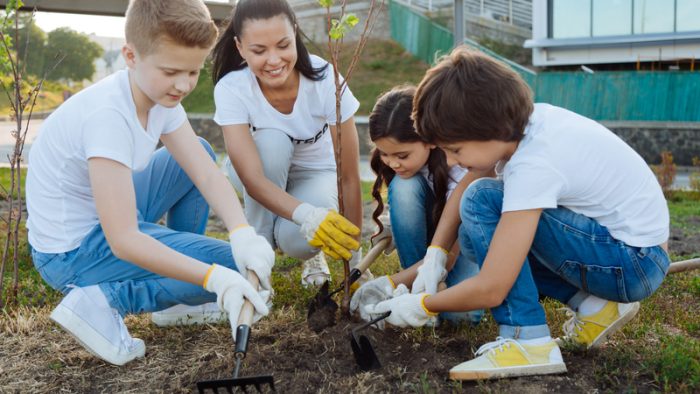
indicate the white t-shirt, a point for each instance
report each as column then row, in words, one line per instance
column 571, row 161
column 99, row 121
column 239, row 100
column 456, row 173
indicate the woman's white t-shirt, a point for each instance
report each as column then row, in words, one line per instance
column 239, row 100
column 571, row 161
column 99, row 121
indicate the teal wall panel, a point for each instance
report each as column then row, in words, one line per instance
column 614, row 95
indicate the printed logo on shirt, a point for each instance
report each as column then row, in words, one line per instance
column 295, row 141
column 313, row 139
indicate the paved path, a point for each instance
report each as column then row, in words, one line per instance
column 7, row 142
column 366, row 174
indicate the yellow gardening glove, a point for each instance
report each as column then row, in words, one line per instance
column 327, row 230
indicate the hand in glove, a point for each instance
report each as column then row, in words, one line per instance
column 385, row 233
column 252, row 252
column 326, row 229
column 372, row 292
column 406, row 309
column 431, row 272
column 231, row 289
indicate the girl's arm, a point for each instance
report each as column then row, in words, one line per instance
column 115, row 200
column 352, row 191
column 184, row 146
column 509, row 247
column 244, row 156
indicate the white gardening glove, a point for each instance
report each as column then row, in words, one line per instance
column 372, row 292
column 406, row 309
column 327, row 230
column 231, row 289
column 252, row 252
column 431, row 272
column 385, row 233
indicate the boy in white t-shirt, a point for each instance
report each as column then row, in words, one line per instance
column 95, row 190
column 578, row 216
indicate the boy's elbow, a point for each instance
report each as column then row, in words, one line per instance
column 121, row 246
column 492, row 294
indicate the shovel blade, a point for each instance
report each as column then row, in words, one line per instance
column 261, row 383
column 365, row 357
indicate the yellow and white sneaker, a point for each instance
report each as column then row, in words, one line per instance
column 592, row 331
column 507, row 357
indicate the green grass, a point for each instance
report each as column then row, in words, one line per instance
column 383, row 64
column 658, row 350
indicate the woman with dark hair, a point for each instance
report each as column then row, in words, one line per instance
column 276, row 105
column 420, row 181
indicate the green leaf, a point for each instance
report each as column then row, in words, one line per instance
column 337, row 30
column 351, row 20
column 325, row 3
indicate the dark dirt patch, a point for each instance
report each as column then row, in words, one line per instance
column 684, row 242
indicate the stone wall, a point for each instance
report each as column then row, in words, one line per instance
column 649, row 139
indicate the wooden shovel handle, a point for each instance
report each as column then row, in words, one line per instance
column 685, row 265
column 247, row 311
column 372, row 254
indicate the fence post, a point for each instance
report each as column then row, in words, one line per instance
column 459, row 22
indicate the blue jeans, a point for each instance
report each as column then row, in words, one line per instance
column 411, row 204
column 316, row 186
column 572, row 256
column 162, row 187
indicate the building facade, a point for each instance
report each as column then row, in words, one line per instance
column 665, row 33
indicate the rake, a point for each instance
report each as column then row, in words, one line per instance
column 242, row 336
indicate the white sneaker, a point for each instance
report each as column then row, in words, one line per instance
column 184, row 315
column 87, row 316
column 315, row 271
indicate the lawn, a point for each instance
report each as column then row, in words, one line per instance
column 659, row 351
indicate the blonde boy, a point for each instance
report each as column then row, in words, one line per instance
column 96, row 188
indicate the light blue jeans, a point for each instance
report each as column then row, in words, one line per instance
column 571, row 257
column 314, row 186
column 161, row 188
column 411, row 204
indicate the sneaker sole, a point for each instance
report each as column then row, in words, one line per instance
column 617, row 324
column 508, row 372
column 95, row 343
column 169, row 320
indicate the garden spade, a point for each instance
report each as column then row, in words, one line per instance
column 362, row 348
column 242, row 384
column 322, row 308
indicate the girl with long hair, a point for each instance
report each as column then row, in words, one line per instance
column 420, row 181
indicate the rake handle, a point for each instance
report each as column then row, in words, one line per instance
column 245, row 320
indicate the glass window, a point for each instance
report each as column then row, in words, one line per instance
column 653, row 16
column 687, row 15
column 571, row 18
column 612, row 17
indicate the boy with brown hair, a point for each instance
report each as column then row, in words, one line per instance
column 96, row 188
column 576, row 215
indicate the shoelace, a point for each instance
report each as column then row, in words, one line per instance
column 574, row 325
column 125, row 338
column 499, row 344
